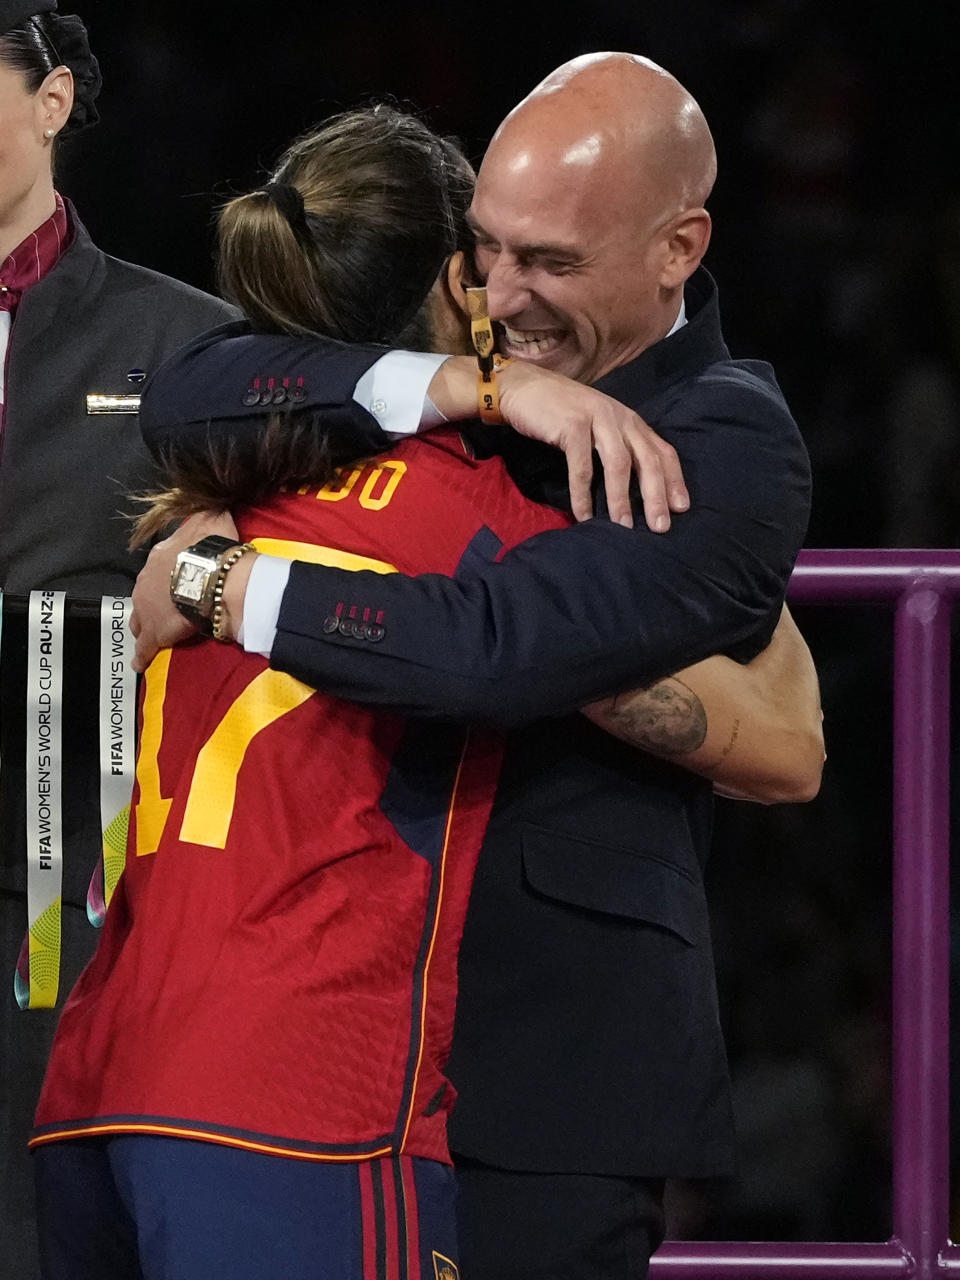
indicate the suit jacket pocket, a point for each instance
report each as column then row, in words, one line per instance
column 615, row 881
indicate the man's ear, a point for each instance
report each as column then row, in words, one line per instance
column 686, row 246
column 455, row 270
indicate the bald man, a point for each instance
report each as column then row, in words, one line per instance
column 589, row 214
column 587, row 1053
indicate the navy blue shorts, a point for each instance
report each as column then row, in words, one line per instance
column 133, row 1207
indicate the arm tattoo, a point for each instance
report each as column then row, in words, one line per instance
column 667, row 719
column 734, row 735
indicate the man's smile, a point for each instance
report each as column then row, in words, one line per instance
column 531, row 343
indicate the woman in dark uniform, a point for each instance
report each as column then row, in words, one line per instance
column 74, row 324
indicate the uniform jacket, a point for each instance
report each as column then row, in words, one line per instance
column 587, row 1033
column 92, row 325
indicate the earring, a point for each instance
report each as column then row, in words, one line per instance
column 49, row 133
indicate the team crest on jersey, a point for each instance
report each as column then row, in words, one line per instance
column 443, row 1268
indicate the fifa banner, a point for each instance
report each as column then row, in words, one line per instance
column 44, row 773
column 118, row 710
column 37, row 979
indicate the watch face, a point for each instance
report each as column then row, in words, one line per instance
column 191, row 580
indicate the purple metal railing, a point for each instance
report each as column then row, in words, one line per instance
column 922, row 586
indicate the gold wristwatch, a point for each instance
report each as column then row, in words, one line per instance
column 193, row 582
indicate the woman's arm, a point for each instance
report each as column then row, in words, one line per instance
column 755, row 730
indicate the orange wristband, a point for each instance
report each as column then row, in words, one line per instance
column 488, row 394
column 489, row 361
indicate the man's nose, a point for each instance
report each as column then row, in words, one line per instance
column 507, row 293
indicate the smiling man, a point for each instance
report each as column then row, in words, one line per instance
column 588, row 219
column 587, row 1052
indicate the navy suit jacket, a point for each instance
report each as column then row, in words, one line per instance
column 587, row 1034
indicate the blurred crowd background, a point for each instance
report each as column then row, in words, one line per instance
column 837, row 252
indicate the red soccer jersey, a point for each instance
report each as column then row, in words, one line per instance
column 278, row 966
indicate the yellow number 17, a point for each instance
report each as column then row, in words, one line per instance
column 268, row 696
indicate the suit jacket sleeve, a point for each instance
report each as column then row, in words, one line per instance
column 573, row 615
column 229, row 379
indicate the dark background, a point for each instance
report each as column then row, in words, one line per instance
column 837, row 251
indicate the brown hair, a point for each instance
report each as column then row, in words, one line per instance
column 221, row 468
column 378, row 205
column 384, row 203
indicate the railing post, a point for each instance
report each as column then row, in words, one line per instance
column 921, row 888
column 922, row 585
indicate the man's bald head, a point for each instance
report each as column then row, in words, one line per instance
column 620, row 109
column 609, row 155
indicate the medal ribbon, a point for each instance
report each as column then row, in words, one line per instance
column 38, row 989
column 118, row 709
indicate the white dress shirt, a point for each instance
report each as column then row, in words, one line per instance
column 4, row 340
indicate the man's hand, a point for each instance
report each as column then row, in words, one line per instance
column 577, row 419
column 156, row 621
column 548, row 407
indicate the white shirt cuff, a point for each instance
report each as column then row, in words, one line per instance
column 261, row 604
column 394, row 390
